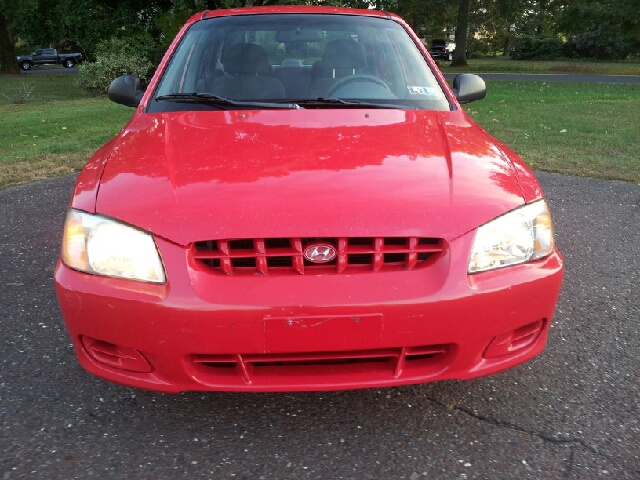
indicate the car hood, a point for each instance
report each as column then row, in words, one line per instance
column 189, row 176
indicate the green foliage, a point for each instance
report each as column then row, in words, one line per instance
column 169, row 23
column 141, row 45
column 610, row 16
column 95, row 77
column 115, row 57
column 25, row 49
column 603, row 29
column 479, row 48
column 541, row 47
column 523, row 47
column 89, row 22
column 600, row 44
column 606, row 29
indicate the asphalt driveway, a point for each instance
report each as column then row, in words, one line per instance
column 570, row 413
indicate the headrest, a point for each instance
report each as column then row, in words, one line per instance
column 291, row 62
column 245, row 59
column 344, row 53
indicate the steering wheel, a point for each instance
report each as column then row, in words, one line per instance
column 354, row 79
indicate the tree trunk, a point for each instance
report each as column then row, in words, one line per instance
column 460, row 53
column 505, row 45
column 8, row 63
column 541, row 17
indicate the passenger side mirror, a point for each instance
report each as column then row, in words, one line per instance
column 126, row 90
column 469, row 88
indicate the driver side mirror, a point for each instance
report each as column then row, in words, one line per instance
column 469, row 88
column 126, row 90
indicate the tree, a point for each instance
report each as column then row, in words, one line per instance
column 9, row 10
column 497, row 20
column 606, row 28
column 460, row 53
column 8, row 62
column 86, row 22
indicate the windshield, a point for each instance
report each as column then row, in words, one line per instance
column 300, row 60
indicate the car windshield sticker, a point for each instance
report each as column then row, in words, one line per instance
column 422, row 91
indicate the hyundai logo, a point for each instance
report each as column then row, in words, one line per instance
column 320, row 253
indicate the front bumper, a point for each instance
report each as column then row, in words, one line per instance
column 201, row 331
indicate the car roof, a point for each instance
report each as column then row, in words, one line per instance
column 222, row 12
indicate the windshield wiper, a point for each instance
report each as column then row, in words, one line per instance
column 217, row 101
column 340, row 103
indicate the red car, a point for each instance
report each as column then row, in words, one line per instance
column 300, row 203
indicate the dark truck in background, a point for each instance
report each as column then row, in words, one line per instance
column 48, row 56
column 442, row 50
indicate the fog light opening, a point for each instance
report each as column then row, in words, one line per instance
column 115, row 356
column 515, row 340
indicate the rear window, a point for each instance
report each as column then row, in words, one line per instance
column 289, row 57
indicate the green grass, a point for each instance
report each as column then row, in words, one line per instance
column 47, row 88
column 56, row 131
column 59, row 127
column 505, row 65
column 585, row 129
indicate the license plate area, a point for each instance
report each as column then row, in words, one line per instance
column 322, row 333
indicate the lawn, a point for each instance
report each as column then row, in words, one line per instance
column 505, row 65
column 582, row 129
column 586, row 129
column 47, row 88
column 56, row 131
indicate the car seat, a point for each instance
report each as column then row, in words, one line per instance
column 295, row 78
column 210, row 69
column 249, row 73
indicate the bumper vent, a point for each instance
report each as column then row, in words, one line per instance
column 515, row 340
column 286, row 255
column 326, row 369
column 116, row 356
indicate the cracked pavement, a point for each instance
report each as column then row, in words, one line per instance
column 570, row 413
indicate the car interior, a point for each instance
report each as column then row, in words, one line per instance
column 297, row 61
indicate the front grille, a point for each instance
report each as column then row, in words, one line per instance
column 346, row 367
column 286, row 255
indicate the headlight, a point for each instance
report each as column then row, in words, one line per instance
column 101, row 246
column 518, row 236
